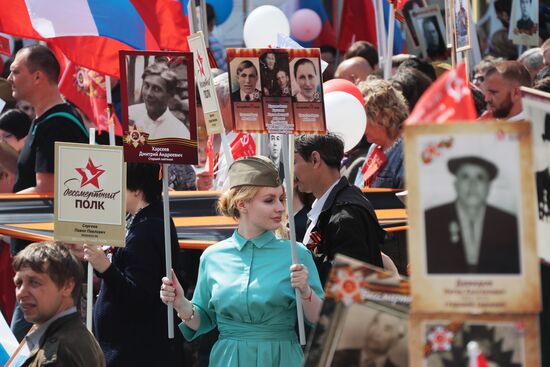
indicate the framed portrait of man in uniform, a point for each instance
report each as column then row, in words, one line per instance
column 159, row 121
column 430, row 30
column 524, row 22
column 471, row 217
column 536, row 105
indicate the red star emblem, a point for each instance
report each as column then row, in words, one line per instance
column 94, row 171
column 201, row 65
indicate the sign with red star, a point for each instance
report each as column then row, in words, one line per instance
column 94, row 172
column 90, row 188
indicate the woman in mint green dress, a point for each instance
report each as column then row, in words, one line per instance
column 246, row 283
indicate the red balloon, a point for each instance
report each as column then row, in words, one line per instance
column 343, row 85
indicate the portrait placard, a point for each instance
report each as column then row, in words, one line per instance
column 158, row 107
column 358, row 291
column 462, row 21
column 205, row 84
column 472, row 225
column 413, row 5
column 276, row 91
column 524, row 23
column 503, row 340
column 536, row 105
column 430, row 29
column 90, row 186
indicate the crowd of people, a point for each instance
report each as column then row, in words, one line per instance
column 241, row 294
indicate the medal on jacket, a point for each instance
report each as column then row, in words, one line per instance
column 454, row 231
column 375, row 161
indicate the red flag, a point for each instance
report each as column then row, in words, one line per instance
column 448, row 99
column 5, row 46
column 243, row 146
column 358, row 23
column 165, row 21
column 86, row 89
column 481, row 360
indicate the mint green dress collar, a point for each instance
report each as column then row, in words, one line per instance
column 258, row 241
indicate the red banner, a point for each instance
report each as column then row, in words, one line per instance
column 86, row 89
column 5, row 46
column 448, row 99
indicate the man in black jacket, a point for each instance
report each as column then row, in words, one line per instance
column 468, row 235
column 341, row 219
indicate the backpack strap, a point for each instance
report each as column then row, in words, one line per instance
column 68, row 116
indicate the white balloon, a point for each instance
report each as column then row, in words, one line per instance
column 345, row 117
column 262, row 25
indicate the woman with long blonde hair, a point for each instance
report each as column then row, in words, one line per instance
column 246, row 283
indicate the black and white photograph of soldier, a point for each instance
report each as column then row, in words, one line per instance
column 524, row 22
column 245, row 85
column 469, row 196
column 152, row 89
column 430, row 29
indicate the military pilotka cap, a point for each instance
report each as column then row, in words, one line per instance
column 455, row 163
column 253, row 171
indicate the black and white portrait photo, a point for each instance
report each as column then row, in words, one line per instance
column 380, row 339
column 471, row 212
column 470, row 221
column 157, row 96
column 430, row 29
column 275, row 74
column 462, row 235
column 524, row 22
column 245, row 86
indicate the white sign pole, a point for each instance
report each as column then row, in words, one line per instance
column 90, row 274
column 389, row 50
column 109, row 104
column 167, row 242
column 292, row 230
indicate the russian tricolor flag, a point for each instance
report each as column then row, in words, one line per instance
column 88, row 18
column 91, row 32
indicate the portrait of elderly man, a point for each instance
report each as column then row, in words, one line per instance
column 307, row 79
column 247, row 77
column 153, row 116
column 383, row 333
column 468, row 235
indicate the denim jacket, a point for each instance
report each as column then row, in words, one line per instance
column 391, row 175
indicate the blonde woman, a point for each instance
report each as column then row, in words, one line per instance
column 386, row 111
column 246, row 283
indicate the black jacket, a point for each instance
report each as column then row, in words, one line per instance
column 347, row 225
column 130, row 320
column 499, row 248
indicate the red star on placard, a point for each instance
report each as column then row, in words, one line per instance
column 95, row 172
column 201, row 65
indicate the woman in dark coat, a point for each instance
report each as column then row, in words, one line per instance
column 130, row 321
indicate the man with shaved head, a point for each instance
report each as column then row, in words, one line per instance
column 355, row 69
